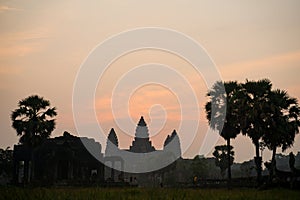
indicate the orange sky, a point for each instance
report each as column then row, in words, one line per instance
column 43, row 44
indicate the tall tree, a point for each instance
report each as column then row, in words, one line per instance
column 223, row 157
column 33, row 120
column 253, row 114
column 222, row 112
column 282, row 123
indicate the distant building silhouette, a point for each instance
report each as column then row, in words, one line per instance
column 65, row 160
column 142, row 143
column 117, row 159
column 62, row 160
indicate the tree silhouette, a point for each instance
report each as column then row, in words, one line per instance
column 224, row 100
column 253, row 114
column 33, row 120
column 282, row 123
column 223, row 157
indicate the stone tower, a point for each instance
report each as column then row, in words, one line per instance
column 112, row 144
column 141, row 143
column 172, row 144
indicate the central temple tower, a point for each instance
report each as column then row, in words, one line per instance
column 141, row 143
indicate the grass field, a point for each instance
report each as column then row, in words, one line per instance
column 142, row 193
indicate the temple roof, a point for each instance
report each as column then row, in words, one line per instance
column 142, row 122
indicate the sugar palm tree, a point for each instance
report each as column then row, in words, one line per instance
column 222, row 112
column 253, row 114
column 282, row 123
column 33, row 120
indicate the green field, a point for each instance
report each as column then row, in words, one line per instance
column 142, row 193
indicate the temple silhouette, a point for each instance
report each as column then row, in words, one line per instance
column 64, row 160
column 141, row 142
column 61, row 160
column 137, row 162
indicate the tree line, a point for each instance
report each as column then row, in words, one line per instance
column 270, row 117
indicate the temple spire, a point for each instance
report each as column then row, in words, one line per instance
column 142, row 122
column 112, row 143
column 112, row 137
column 141, row 143
column 141, row 129
column 172, row 144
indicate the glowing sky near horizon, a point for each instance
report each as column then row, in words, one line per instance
column 42, row 45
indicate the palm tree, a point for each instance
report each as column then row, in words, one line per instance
column 33, row 120
column 283, row 123
column 222, row 112
column 253, row 114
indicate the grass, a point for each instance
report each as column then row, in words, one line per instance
column 143, row 193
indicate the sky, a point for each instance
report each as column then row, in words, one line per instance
column 43, row 45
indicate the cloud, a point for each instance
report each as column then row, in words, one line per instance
column 7, row 8
column 282, row 62
column 22, row 43
column 142, row 102
column 17, row 50
column 282, row 69
column 26, row 35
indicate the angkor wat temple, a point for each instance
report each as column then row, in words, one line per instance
column 65, row 160
column 141, row 162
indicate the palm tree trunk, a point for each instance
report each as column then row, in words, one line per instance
column 26, row 172
column 273, row 163
column 258, row 161
column 273, row 155
column 229, row 166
